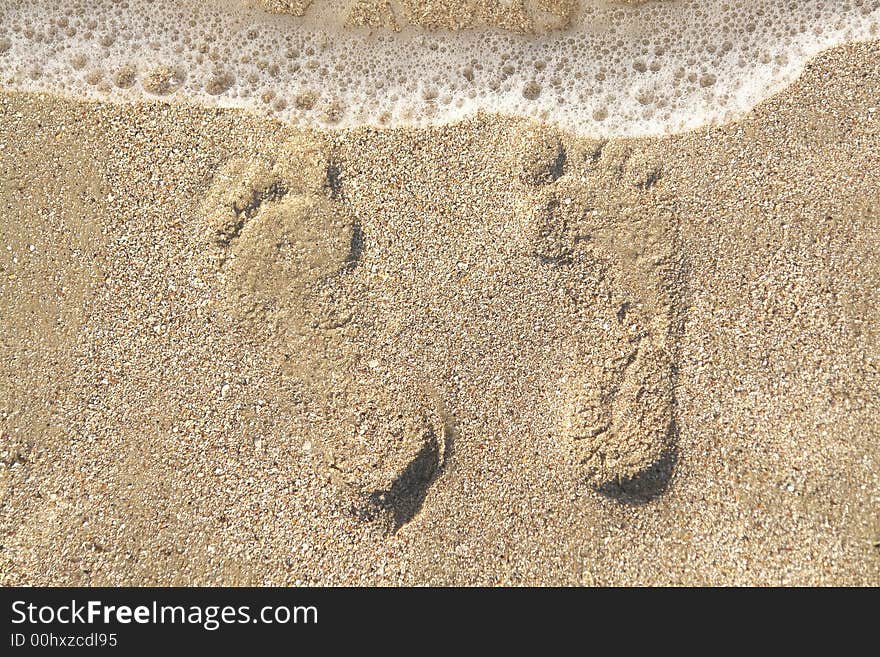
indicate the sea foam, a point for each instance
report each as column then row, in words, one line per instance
column 596, row 67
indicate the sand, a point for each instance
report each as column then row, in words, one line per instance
column 483, row 353
column 518, row 16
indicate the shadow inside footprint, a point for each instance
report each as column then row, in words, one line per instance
column 356, row 246
column 648, row 484
column 558, row 166
column 334, row 179
column 407, row 493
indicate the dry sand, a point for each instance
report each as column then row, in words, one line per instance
column 485, row 353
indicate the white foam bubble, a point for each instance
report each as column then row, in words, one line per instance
column 619, row 70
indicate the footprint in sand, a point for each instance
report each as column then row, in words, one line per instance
column 388, row 453
column 617, row 412
column 283, row 248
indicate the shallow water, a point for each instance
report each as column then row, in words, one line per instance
column 618, row 70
